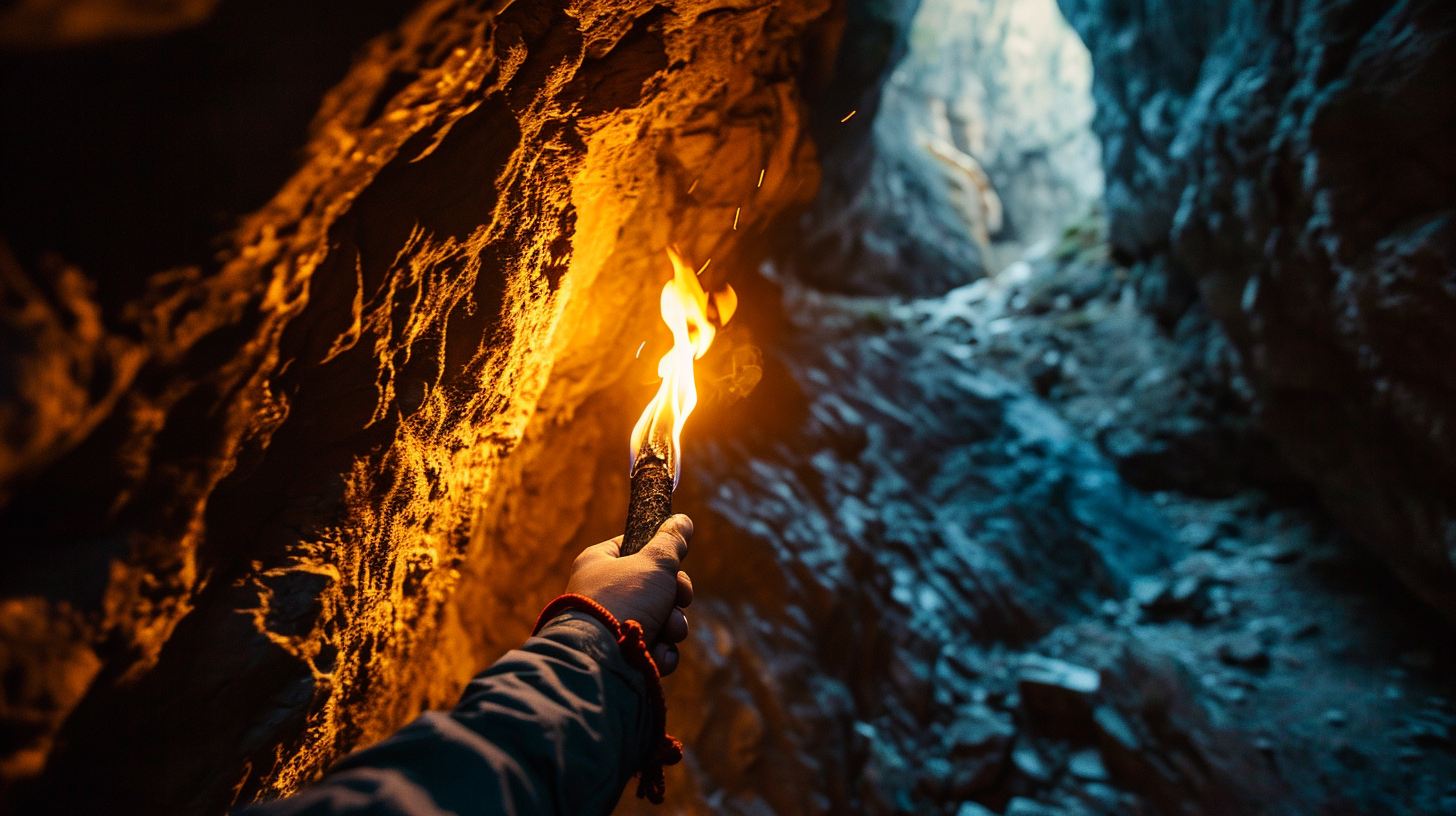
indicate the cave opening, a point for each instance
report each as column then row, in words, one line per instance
column 1077, row 445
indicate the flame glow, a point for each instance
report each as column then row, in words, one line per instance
column 694, row 316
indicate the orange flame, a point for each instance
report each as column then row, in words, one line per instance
column 694, row 316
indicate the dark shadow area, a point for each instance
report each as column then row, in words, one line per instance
column 134, row 156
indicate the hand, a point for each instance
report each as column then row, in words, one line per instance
column 645, row 587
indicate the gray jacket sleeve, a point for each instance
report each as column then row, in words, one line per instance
column 558, row 726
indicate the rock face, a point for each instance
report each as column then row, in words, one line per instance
column 241, row 487
column 1267, row 621
column 263, row 500
column 924, row 585
column 979, row 146
column 1293, row 164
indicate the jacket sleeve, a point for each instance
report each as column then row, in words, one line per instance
column 558, row 726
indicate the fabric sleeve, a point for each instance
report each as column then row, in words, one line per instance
column 558, row 726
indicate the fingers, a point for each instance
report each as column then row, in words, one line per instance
column 684, row 590
column 670, row 545
column 599, row 552
column 676, row 628
column 665, row 655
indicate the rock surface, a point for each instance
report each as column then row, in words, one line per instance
column 918, row 584
column 1016, row 547
column 979, row 145
column 897, row 597
column 1293, row 164
column 1268, row 618
column 241, row 487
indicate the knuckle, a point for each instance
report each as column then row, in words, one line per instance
column 665, row 551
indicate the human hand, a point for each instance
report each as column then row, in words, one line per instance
column 645, row 587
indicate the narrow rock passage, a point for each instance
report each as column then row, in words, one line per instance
column 1000, row 532
column 1099, row 459
column 935, row 592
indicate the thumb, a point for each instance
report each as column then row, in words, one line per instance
column 599, row 552
column 669, row 546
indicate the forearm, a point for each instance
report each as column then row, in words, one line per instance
column 555, row 727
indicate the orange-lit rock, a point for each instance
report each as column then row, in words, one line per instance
column 301, row 457
column 263, row 497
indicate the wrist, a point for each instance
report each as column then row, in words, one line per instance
column 631, row 648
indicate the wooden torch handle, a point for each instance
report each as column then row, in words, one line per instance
column 650, row 504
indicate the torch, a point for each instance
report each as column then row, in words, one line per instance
column 694, row 316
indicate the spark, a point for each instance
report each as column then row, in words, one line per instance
column 846, row 119
column 760, row 176
column 638, row 355
column 693, row 186
column 704, row 266
column 735, row 217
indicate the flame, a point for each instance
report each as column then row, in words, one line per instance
column 694, row 316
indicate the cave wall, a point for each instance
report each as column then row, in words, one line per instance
column 1291, row 162
column 978, row 146
column 886, row 528
column 267, row 495
column 243, row 485
column 1008, row 85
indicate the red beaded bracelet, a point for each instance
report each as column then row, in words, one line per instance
column 651, row 784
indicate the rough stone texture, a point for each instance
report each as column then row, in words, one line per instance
column 875, row 507
column 1294, row 161
column 263, row 507
column 894, row 522
column 890, row 523
column 1269, row 629
column 979, row 145
column 241, row 492
column 1008, row 85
